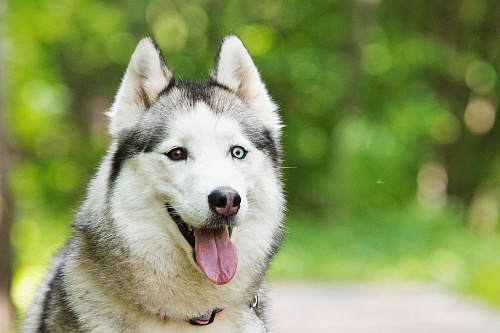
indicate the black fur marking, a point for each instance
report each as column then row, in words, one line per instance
column 54, row 284
column 131, row 143
column 267, row 144
column 264, row 141
column 194, row 91
column 167, row 89
column 261, row 137
column 214, row 83
column 135, row 141
column 183, row 227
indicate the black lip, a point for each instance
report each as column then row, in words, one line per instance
column 183, row 226
column 214, row 223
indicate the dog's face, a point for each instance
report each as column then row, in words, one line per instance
column 205, row 151
column 205, row 168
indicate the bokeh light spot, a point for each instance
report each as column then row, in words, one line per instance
column 40, row 95
column 24, row 234
column 24, row 283
column 481, row 77
column 444, row 127
column 483, row 213
column 170, row 31
column 432, row 181
column 257, row 38
column 479, row 116
column 196, row 19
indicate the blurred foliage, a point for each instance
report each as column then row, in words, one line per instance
column 389, row 109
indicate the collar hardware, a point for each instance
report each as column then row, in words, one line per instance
column 255, row 305
column 207, row 318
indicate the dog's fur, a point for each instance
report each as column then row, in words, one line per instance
column 127, row 267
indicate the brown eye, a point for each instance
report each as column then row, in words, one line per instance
column 177, row 154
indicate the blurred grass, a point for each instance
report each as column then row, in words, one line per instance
column 414, row 246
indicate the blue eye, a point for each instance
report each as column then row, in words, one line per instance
column 238, row 152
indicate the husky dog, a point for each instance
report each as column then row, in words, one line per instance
column 185, row 212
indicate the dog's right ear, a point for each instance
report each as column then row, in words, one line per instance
column 146, row 77
column 234, row 69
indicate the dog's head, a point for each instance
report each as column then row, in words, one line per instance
column 208, row 152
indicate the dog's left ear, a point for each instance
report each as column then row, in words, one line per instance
column 145, row 79
column 235, row 69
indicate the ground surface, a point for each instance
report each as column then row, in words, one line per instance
column 379, row 308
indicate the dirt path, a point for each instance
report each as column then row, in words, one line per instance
column 377, row 308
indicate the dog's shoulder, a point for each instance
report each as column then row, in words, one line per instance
column 50, row 311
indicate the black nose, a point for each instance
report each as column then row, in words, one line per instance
column 224, row 201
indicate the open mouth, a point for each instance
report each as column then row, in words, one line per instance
column 214, row 252
column 185, row 229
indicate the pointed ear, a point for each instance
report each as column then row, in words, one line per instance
column 144, row 80
column 235, row 69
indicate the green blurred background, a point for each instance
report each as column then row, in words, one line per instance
column 392, row 154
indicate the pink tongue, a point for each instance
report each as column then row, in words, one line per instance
column 215, row 254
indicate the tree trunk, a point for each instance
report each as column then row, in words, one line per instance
column 6, row 215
